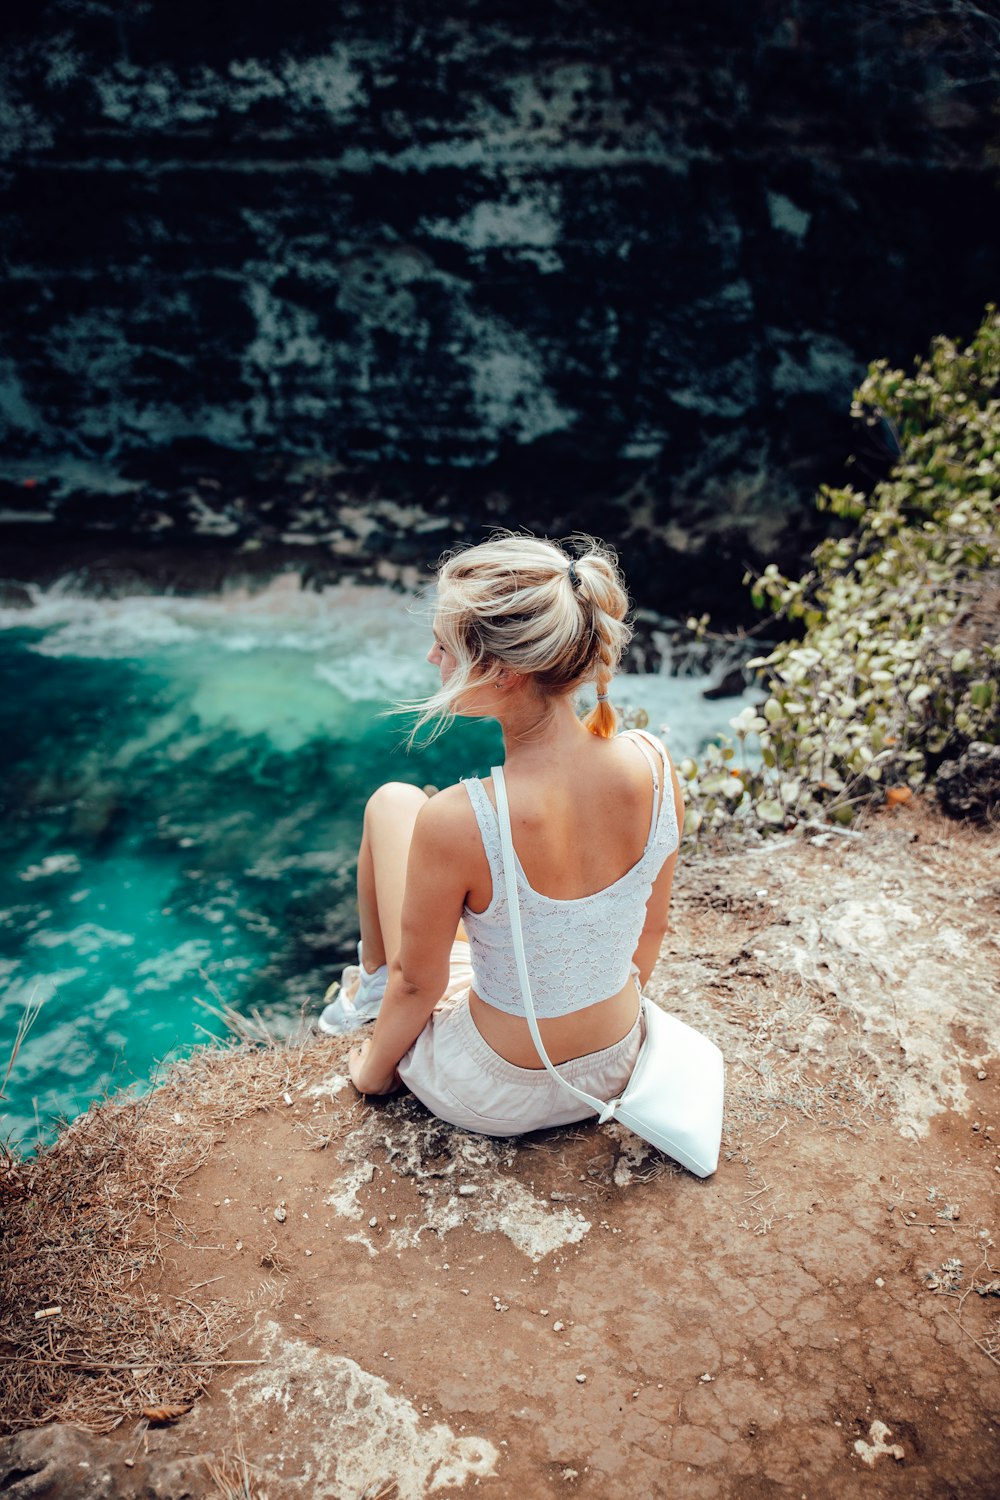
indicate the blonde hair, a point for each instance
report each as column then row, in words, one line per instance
column 527, row 605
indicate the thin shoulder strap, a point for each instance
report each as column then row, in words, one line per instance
column 604, row 1109
column 642, row 741
column 650, row 739
column 666, row 816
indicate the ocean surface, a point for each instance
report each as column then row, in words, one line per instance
column 182, row 783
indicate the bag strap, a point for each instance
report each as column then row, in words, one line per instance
column 603, row 1108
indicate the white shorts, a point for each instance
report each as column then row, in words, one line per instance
column 454, row 1071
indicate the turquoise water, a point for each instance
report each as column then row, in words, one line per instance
column 182, row 784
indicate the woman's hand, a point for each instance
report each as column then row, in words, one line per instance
column 361, row 1075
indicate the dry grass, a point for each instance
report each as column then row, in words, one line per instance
column 234, row 1478
column 80, row 1342
column 28, row 1018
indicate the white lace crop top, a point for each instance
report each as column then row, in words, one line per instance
column 579, row 951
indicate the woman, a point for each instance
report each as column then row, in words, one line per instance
column 520, row 627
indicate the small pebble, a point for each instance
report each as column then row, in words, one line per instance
column 558, row 1326
column 309, row 1252
column 465, row 1291
column 581, row 1380
column 543, row 1312
column 981, row 1075
column 467, row 1190
column 879, row 1281
column 372, row 1222
column 705, row 1378
column 392, row 1218
column 280, row 1214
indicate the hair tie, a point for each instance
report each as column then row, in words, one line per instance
column 602, row 697
column 574, row 576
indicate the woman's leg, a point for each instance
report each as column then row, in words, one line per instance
column 385, row 845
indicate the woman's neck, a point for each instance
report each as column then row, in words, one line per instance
column 535, row 727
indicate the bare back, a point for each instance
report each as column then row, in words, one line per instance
column 580, row 821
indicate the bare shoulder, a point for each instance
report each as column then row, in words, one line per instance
column 666, row 772
column 447, row 817
column 652, row 743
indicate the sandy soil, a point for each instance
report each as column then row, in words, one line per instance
column 435, row 1313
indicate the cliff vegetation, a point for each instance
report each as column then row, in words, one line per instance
column 896, row 668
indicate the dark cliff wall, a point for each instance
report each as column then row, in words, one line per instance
column 651, row 241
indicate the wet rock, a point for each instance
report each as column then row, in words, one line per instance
column 57, row 1462
column 13, row 595
column 580, row 251
column 49, row 1463
column 970, row 786
column 731, row 685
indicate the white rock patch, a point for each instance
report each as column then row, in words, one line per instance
column 501, row 1207
column 344, row 1197
column 869, row 1452
column 895, row 976
column 352, row 1435
column 447, row 1163
column 329, row 1088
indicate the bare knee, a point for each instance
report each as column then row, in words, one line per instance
column 395, row 799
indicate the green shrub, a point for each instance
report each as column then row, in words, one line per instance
column 897, row 666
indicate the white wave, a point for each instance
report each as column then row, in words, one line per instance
column 381, row 680
column 294, row 664
column 85, row 940
column 677, row 708
column 163, row 970
column 35, row 988
column 52, row 864
column 282, row 616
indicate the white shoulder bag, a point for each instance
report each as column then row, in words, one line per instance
column 674, row 1097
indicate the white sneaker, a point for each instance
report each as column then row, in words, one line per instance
column 358, row 998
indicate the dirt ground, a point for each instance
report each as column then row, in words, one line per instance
column 427, row 1312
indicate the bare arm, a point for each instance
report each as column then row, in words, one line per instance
column 436, row 887
column 657, row 907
